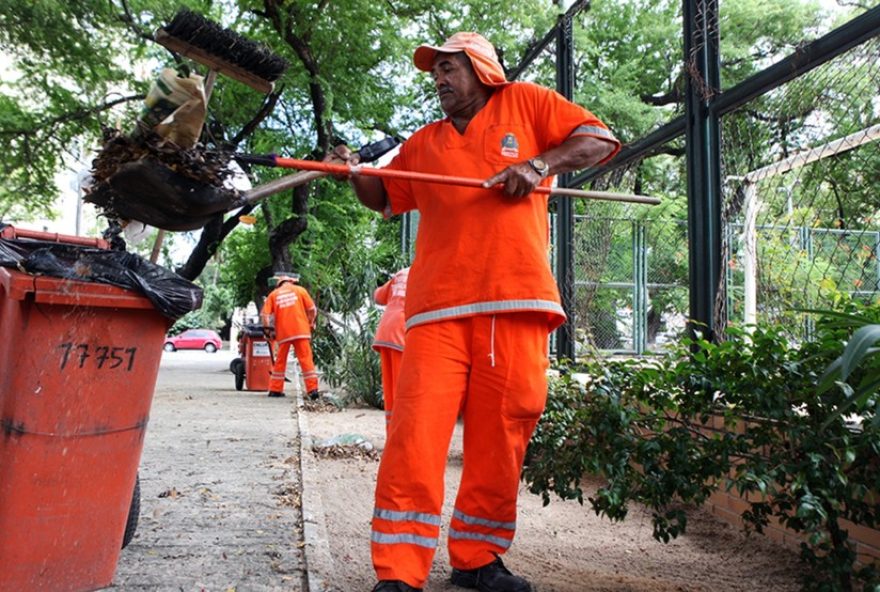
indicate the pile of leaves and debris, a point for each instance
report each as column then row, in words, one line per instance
column 346, row 446
column 325, row 404
column 208, row 167
column 152, row 180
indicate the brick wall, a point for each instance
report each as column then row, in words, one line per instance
column 729, row 506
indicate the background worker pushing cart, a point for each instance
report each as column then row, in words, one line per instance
column 288, row 317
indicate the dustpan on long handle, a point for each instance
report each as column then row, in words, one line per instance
column 151, row 192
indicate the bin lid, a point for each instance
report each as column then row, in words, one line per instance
column 77, row 265
column 48, row 290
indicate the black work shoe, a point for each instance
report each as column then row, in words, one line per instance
column 313, row 395
column 394, row 586
column 276, row 394
column 490, row 578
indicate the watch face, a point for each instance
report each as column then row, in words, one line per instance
column 540, row 166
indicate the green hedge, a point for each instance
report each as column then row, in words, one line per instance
column 802, row 453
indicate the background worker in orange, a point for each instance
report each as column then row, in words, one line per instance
column 294, row 315
column 480, row 303
column 390, row 334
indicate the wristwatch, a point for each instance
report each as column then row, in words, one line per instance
column 540, row 166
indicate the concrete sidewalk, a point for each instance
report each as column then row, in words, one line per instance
column 220, row 487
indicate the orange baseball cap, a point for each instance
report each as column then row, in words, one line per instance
column 284, row 276
column 478, row 49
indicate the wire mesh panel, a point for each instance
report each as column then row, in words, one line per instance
column 631, row 283
column 603, row 276
column 667, row 283
column 630, row 261
column 801, row 171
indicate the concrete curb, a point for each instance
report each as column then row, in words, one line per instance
column 319, row 561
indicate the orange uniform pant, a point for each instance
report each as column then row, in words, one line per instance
column 389, row 359
column 492, row 371
column 303, row 350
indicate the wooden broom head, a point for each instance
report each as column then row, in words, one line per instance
column 192, row 35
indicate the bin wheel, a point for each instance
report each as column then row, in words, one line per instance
column 169, row 347
column 237, row 367
column 134, row 512
column 210, row 348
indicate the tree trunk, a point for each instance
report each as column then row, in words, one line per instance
column 285, row 233
column 209, row 241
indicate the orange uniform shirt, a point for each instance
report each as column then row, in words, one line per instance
column 391, row 329
column 290, row 304
column 478, row 251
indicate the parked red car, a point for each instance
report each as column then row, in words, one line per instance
column 194, row 339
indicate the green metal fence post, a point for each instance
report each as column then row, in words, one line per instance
column 565, row 335
column 703, row 161
column 640, row 287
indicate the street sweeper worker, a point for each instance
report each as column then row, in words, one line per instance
column 389, row 338
column 480, row 303
column 288, row 317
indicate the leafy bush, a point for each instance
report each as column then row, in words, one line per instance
column 745, row 414
column 348, row 360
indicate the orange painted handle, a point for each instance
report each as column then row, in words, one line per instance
column 344, row 169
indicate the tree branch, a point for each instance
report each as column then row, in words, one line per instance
column 72, row 116
column 264, row 112
column 283, row 24
column 129, row 20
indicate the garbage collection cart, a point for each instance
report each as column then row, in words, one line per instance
column 80, row 361
column 254, row 364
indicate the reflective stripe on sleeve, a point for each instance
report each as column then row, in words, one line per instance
column 593, row 130
column 388, row 344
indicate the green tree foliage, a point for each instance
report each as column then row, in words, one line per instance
column 61, row 74
column 350, row 79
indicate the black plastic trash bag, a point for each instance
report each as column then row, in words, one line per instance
column 172, row 295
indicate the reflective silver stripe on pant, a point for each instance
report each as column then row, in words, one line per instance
column 396, row 516
column 384, row 538
column 476, row 536
column 458, row 514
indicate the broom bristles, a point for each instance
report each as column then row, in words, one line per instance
column 228, row 45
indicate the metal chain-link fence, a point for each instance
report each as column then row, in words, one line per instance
column 801, row 202
column 631, row 261
column 801, row 193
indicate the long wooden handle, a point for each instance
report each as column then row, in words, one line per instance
column 344, row 169
column 272, row 187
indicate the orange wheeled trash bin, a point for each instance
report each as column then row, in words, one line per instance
column 253, row 367
column 79, row 364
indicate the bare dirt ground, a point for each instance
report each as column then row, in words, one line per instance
column 563, row 547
